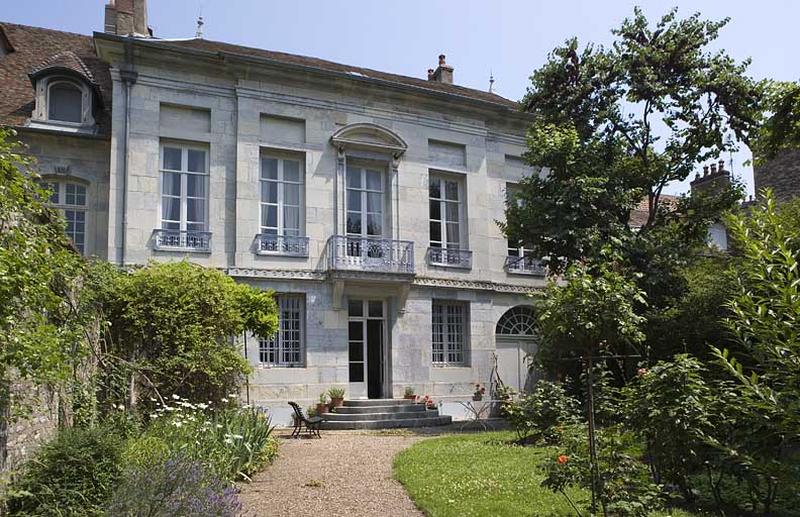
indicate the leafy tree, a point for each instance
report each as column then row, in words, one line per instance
column 172, row 325
column 615, row 126
column 38, row 267
column 781, row 130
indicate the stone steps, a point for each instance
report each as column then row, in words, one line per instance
column 382, row 414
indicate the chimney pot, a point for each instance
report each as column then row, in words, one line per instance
column 721, row 165
column 705, row 170
column 442, row 59
column 713, row 168
column 430, row 74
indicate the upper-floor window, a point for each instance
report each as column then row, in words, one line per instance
column 184, row 188
column 281, row 196
column 65, row 102
column 447, row 222
column 286, row 347
column 449, row 321
column 70, row 199
column 365, row 200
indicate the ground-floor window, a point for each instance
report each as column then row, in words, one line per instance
column 285, row 348
column 449, row 337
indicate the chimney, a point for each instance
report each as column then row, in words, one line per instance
column 127, row 18
column 714, row 181
column 443, row 73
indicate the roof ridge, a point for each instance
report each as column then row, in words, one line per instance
column 22, row 25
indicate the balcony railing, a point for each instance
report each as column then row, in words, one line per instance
column 373, row 254
column 525, row 265
column 182, row 240
column 286, row 245
column 456, row 258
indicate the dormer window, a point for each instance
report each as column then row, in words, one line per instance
column 65, row 102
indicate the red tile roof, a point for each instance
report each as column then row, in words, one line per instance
column 640, row 214
column 35, row 49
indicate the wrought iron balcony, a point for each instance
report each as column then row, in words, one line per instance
column 525, row 265
column 182, row 240
column 286, row 245
column 372, row 254
column 450, row 257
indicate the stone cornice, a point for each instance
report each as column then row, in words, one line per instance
column 476, row 285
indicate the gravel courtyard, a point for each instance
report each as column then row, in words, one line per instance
column 345, row 473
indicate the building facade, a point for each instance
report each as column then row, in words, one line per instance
column 365, row 200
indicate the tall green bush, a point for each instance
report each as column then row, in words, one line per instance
column 538, row 415
column 73, row 475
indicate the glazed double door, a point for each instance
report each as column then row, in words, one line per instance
column 366, row 333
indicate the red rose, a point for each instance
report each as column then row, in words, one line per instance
column 563, row 459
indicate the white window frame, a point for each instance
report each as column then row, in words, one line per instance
column 443, row 221
column 277, row 351
column 84, row 100
column 449, row 333
column 515, row 250
column 281, row 204
column 59, row 191
column 184, row 173
column 364, row 192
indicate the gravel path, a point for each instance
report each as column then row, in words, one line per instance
column 344, row 473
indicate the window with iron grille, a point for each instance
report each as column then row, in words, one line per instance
column 449, row 337
column 286, row 347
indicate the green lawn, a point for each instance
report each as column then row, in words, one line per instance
column 481, row 475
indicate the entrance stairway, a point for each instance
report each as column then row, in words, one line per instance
column 382, row 414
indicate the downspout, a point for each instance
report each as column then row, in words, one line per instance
column 128, row 75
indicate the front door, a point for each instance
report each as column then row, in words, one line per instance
column 366, row 340
column 513, row 363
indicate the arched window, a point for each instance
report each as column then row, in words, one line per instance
column 65, row 102
column 517, row 321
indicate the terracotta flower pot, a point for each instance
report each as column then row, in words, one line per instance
column 322, row 408
column 336, row 402
column 410, row 397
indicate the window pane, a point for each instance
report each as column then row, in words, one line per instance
column 172, row 158
column 53, row 188
column 170, row 209
column 374, row 202
column 376, row 308
column 354, row 223
column 196, row 210
column 435, row 188
column 171, row 184
column 354, row 200
column 356, row 372
column 436, row 210
column 355, row 330
column 353, row 177
column 453, row 237
column 65, row 103
column 291, row 170
column 451, row 190
column 374, row 180
column 374, row 224
column 355, row 308
column 269, row 192
column 80, row 195
column 291, row 217
column 196, row 227
column 271, row 216
column 451, row 212
column 197, row 160
column 291, row 194
column 195, row 186
column 173, row 226
column 269, row 168
column 356, row 350
column 436, row 231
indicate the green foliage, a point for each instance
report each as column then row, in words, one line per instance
column 625, row 488
column 538, row 415
column 593, row 310
column 781, row 129
column 73, row 475
column 673, row 409
column 613, row 126
column 231, row 442
column 172, row 325
column 171, row 488
column 336, row 393
column 38, row 268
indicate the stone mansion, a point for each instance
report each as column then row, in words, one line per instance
column 366, row 201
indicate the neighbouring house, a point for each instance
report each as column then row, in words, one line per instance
column 366, row 200
column 781, row 174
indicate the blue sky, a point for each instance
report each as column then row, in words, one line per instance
column 510, row 38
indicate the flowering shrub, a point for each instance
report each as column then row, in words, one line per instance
column 624, row 486
column 175, row 486
column 536, row 416
column 480, row 391
column 232, row 442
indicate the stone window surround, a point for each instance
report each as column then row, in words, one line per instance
column 185, row 146
column 295, row 302
column 42, row 111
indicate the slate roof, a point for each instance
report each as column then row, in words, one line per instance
column 35, row 49
column 330, row 66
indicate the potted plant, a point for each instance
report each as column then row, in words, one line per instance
column 409, row 393
column 479, row 392
column 337, row 396
column 322, row 405
column 428, row 401
column 311, row 411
